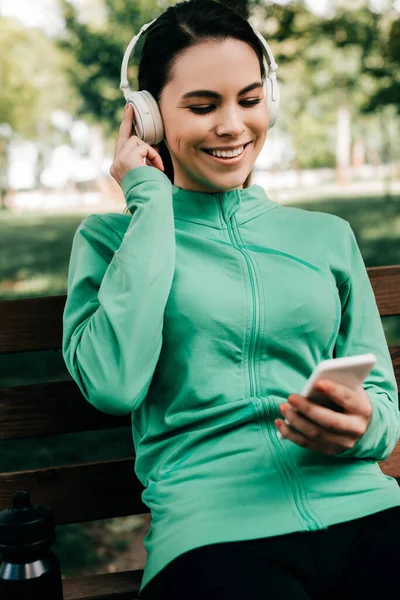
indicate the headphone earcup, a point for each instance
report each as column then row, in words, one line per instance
column 273, row 105
column 148, row 122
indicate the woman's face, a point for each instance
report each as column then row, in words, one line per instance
column 205, row 106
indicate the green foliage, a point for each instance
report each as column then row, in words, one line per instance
column 33, row 79
column 120, row 544
column 75, row 549
column 17, row 94
column 327, row 62
column 98, row 53
column 387, row 74
column 376, row 35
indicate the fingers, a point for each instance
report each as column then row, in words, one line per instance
column 125, row 129
column 131, row 151
column 327, row 418
column 356, row 402
column 314, row 432
column 301, row 440
column 155, row 158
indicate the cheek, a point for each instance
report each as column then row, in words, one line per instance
column 185, row 141
column 261, row 121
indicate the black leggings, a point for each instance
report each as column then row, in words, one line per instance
column 355, row 560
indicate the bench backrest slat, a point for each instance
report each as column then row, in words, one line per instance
column 53, row 408
column 36, row 323
column 385, row 282
column 31, row 324
column 79, row 493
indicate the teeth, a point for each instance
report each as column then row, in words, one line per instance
column 227, row 153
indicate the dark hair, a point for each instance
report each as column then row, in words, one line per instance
column 181, row 26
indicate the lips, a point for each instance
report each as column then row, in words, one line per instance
column 208, row 150
column 229, row 162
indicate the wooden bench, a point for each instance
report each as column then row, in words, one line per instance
column 105, row 489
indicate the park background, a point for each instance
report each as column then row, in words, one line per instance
column 335, row 148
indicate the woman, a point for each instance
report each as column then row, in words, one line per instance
column 202, row 312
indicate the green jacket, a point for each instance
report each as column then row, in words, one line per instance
column 199, row 314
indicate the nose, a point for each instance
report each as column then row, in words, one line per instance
column 230, row 122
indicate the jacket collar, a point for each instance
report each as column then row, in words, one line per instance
column 215, row 209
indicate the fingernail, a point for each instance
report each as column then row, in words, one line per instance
column 126, row 107
column 322, row 385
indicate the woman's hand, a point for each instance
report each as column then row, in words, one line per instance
column 322, row 429
column 130, row 151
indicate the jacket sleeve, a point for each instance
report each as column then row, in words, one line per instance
column 118, row 287
column 360, row 332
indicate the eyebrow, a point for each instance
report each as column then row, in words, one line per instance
column 210, row 94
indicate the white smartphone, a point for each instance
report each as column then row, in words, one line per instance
column 349, row 370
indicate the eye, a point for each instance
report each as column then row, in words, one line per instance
column 248, row 103
column 202, row 110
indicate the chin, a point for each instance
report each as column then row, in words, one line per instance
column 228, row 182
column 219, row 177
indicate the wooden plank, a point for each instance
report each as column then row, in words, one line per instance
column 53, row 408
column 31, row 324
column 395, row 356
column 124, row 585
column 59, row 407
column 80, row 493
column 385, row 282
column 391, row 466
column 36, row 323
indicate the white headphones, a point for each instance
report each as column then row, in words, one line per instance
column 148, row 121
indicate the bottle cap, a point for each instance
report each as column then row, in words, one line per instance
column 24, row 527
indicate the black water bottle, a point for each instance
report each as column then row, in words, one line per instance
column 28, row 568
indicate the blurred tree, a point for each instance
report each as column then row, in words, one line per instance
column 386, row 74
column 33, row 81
column 98, row 48
column 326, row 82
column 365, row 72
column 307, row 113
column 18, row 100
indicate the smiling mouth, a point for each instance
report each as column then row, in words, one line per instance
column 211, row 150
column 227, row 155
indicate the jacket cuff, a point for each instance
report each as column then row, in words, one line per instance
column 142, row 175
column 376, row 443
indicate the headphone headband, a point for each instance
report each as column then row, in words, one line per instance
column 269, row 61
column 124, row 86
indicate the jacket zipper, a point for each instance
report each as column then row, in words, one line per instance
column 253, row 385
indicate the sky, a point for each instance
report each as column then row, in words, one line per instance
column 44, row 13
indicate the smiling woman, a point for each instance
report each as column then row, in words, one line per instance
column 205, row 308
column 207, row 79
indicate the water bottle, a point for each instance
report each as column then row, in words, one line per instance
column 28, row 568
